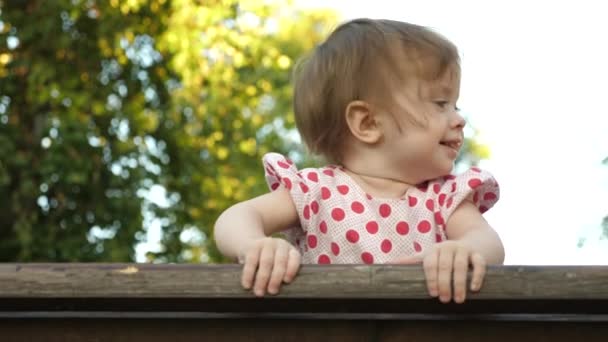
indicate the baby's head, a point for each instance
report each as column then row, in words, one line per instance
column 365, row 60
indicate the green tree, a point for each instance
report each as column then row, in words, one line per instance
column 235, row 104
column 75, row 113
column 100, row 101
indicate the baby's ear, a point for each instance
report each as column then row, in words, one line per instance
column 363, row 122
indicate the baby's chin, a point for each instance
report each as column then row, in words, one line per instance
column 446, row 170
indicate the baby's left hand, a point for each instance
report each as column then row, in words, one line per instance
column 448, row 262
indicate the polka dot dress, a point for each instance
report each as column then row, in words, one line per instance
column 341, row 224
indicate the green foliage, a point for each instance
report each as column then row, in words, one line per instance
column 102, row 100
column 72, row 125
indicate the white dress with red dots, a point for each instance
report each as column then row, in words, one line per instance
column 341, row 224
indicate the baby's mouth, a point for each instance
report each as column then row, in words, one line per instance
column 454, row 144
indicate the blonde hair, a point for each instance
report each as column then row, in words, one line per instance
column 362, row 59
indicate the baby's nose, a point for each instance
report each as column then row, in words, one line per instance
column 458, row 120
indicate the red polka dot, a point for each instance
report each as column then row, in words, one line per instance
column 449, row 202
column 328, row 172
column 476, row 197
column 417, row 247
column 430, row 205
column 483, row 208
column 312, row 241
column 306, row 212
column 412, row 201
column 386, row 246
column 335, row 248
column 269, row 170
column 313, row 177
column 343, row 189
column 454, row 187
column 441, row 199
column 474, row 182
column 439, row 219
column 369, row 197
column 324, row 259
column 449, row 177
column 424, row 226
column 403, row 228
column 274, row 186
column 304, row 187
column 287, row 183
column 489, row 196
column 300, row 175
column 385, row 210
column 325, row 193
column 314, row 206
column 438, row 238
column 288, row 161
column 283, row 165
column 372, row 227
column 367, row 258
column 436, row 188
column 337, row 214
column 423, row 187
column 352, row 236
column 323, row 227
column 357, row 207
column 476, row 169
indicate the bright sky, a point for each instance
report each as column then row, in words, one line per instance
column 534, row 84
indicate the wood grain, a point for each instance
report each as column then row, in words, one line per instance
column 143, row 302
column 81, row 280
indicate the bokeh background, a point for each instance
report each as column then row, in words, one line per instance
column 126, row 127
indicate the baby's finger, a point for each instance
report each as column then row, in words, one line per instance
column 461, row 266
column 264, row 269
column 293, row 265
column 444, row 276
column 479, row 271
column 430, row 265
column 278, row 269
column 249, row 268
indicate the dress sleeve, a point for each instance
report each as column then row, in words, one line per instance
column 476, row 185
column 281, row 172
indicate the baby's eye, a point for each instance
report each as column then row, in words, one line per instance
column 441, row 104
column 444, row 104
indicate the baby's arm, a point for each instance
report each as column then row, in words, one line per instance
column 468, row 226
column 242, row 232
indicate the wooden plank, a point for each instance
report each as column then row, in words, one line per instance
column 65, row 280
column 141, row 302
column 132, row 330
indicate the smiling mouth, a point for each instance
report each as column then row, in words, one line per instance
column 454, row 144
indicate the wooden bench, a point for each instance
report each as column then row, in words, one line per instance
column 185, row 302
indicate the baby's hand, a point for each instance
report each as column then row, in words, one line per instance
column 448, row 262
column 269, row 261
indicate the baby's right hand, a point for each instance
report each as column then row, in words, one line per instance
column 269, row 261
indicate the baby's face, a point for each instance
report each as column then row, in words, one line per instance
column 428, row 133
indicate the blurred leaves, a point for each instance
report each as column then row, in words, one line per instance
column 103, row 103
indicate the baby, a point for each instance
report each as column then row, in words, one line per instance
column 378, row 100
